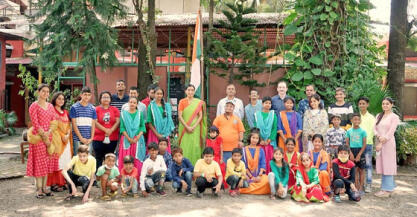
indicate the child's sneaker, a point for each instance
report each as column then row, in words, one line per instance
column 162, row 193
column 105, row 198
column 368, row 188
column 179, row 191
column 188, row 193
column 199, row 195
column 337, row 199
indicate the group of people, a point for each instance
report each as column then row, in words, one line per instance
column 124, row 143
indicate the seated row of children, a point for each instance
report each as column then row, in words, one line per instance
column 302, row 175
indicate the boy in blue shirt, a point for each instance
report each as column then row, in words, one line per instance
column 83, row 115
column 356, row 140
column 181, row 172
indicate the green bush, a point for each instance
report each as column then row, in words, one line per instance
column 7, row 121
column 371, row 88
column 406, row 139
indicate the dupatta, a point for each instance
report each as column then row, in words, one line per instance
column 163, row 125
column 132, row 126
column 265, row 125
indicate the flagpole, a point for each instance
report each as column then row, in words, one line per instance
column 202, row 55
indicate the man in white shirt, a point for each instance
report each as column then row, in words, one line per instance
column 133, row 93
column 231, row 92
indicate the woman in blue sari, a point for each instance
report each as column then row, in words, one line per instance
column 266, row 121
column 160, row 119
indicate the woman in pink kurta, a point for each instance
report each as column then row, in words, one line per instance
column 386, row 161
column 39, row 162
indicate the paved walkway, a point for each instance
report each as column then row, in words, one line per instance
column 10, row 162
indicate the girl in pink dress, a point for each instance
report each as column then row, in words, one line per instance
column 39, row 161
column 386, row 161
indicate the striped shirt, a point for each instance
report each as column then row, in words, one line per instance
column 345, row 111
column 84, row 116
column 117, row 102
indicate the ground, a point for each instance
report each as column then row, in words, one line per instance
column 17, row 199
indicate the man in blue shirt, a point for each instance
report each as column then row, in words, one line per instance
column 278, row 100
column 120, row 98
column 304, row 104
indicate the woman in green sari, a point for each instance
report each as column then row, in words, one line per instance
column 192, row 126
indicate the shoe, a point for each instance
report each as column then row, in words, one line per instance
column 382, row 194
column 199, row 195
column 123, row 195
column 188, row 193
column 105, row 198
column 162, row 193
column 179, row 191
column 272, row 197
column 368, row 188
column 135, row 195
column 361, row 193
column 113, row 194
column 337, row 199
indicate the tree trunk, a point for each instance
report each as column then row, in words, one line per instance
column 396, row 51
column 144, row 78
column 95, row 80
column 152, row 37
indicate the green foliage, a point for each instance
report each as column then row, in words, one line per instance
column 30, row 82
column 332, row 47
column 70, row 25
column 406, row 139
column 371, row 88
column 238, row 47
column 7, row 121
column 71, row 97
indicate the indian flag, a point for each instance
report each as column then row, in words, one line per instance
column 196, row 69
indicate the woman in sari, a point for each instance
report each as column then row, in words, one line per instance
column 160, row 119
column 62, row 142
column 307, row 188
column 266, row 121
column 192, row 127
column 254, row 158
column 315, row 121
column 39, row 163
column 290, row 125
column 132, row 127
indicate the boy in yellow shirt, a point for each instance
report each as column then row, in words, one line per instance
column 207, row 173
column 236, row 172
column 80, row 172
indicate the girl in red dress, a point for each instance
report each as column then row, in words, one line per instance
column 39, row 161
column 216, row 142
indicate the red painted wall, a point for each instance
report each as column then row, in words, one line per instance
column 17, row 48
column 18, row 103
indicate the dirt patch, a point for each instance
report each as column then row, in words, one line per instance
column 17, row 199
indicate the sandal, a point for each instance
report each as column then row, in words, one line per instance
column 48, row 194
column 70, row 197
column 105, row 198
column 40, row 196
column 272, row 197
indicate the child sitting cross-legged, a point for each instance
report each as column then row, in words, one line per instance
column 307, row 188
column 152, row 176
column 236, row 172
column 344, row 175
column 181, row 172
column 108, row 175
column 278, row 177
column 207, row 173
column 130, row 177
